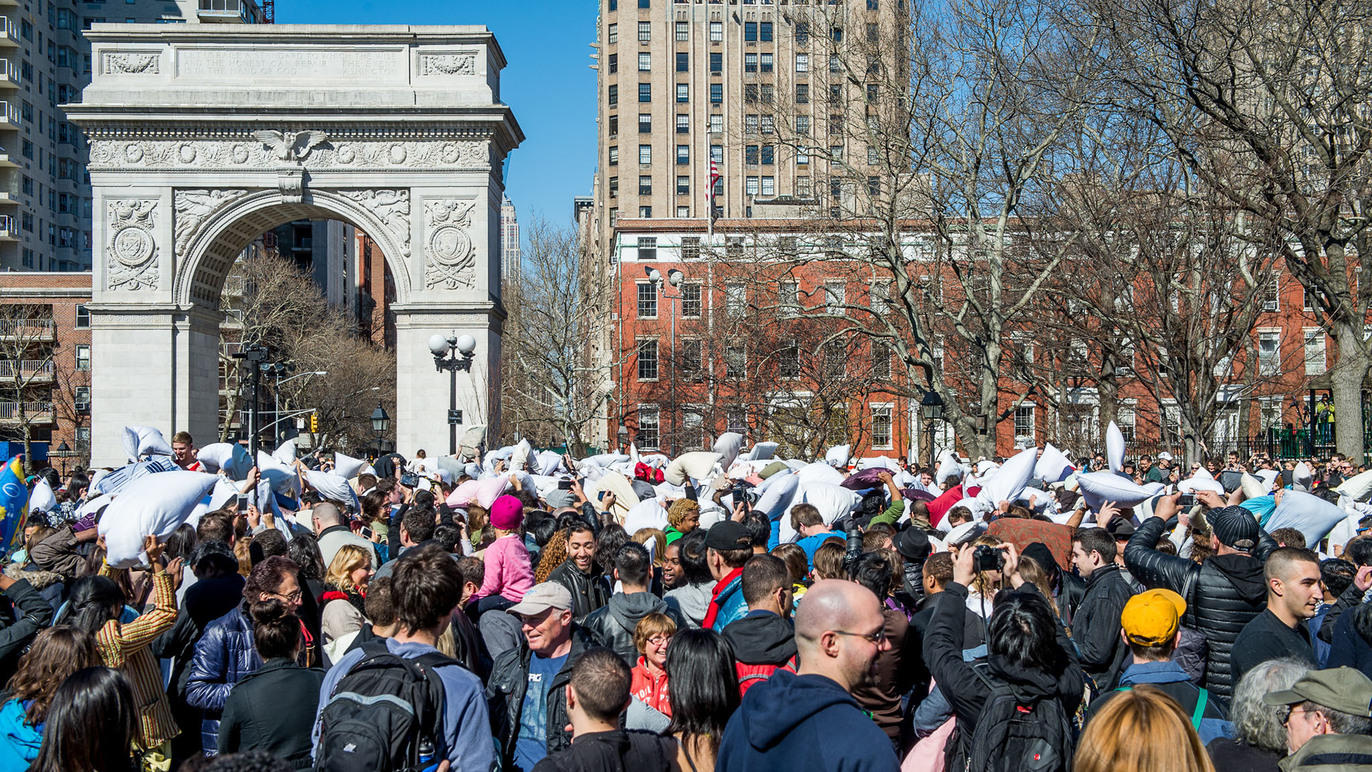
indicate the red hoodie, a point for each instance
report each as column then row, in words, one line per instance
column 940, row 506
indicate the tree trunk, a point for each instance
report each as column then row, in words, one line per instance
column 1346, row 379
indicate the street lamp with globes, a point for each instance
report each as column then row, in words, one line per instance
column 674, row 278
column 453, row 353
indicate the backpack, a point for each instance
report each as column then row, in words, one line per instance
column 385, row 713
column 1014, row 735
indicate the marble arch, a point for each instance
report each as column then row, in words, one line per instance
column 204, row 136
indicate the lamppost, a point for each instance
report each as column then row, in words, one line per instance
column 931, row 408
column 254, row 355
column 380, row 422
column 674, row 278
column 452, row 353
column 62, row 451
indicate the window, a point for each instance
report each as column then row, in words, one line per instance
column 1269, row 352
column 802, row 62
column 735, row 299
column 834, row 297
column 683, row 154
column 769, row 125
column 802, row 158
column 802, row 98
column 716, row 124
column 769, row 186
column 690, row 250
column 647, row 300
column 645, row 92
column 645, row 154
column 645, row 32
column 645, row 212
column 647, row 436
column 83, row 357
column 690, row 292
column 750, row 31
column 645, row 123
column 764, row 31
column 614, row 156
column 881, row 360
column 872, row 5
column 614, row 187
column 1024, row 422
column 767, row 93
column 83, row 318
column 1127, row 420
column 769, row 154
column 683, row 185
column 716, row 93
column 683, row 62
column 788, row 361
column 683, row 124
column 802, row 33
column 716, row 32
column 645, row 188
column 717, row 153
column 735, row 363
column 750, row 62
column 788, row 298
column 647, row 247
column 645, row 3
column 614, row 64
column 765, row 62
column 647, row 360
column 750, row 123
column 880, row 298
column 750, row 155
column 874, row 186
column 881, row 427
column 612, row 33
column 614, row 125
column 1315, row 363
column 682, row 31
column 692, row 360
column 836, row 34
column 751, row 186
column 645, row 61
column 683, row 211
column 802, row 183
column 1271, row 300
column 716, row 63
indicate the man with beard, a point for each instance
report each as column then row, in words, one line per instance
column 578, row 572
column 810, row 720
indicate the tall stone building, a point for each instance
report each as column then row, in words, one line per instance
column 509, row 241
column 45, row 198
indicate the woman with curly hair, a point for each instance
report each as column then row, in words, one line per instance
column 682, row 518
column 56, row 653
column 345, row 587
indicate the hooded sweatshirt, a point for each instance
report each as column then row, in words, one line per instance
column 19, row 742
column 802, row 722
column 762, row 643
column 613, row 624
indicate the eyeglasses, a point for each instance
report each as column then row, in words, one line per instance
column 660, row 639
column 873, row 638
column 292, row 598
column 1291, row 711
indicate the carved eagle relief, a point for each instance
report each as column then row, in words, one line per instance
column 291, row 145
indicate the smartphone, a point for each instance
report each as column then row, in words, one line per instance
column 364, row 532
column 409, row 480
column 242, row 502
column 564, row 485
column 1186, row 500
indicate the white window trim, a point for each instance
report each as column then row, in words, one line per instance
column 891, row 425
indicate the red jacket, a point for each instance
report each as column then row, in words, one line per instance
column 752, row 675
column 940, row 506
column 651, row 689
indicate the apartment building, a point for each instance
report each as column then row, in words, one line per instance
column 510, row 254
column 45, row 62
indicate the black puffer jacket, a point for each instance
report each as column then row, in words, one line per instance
column 612, row 625
column 1222, row 594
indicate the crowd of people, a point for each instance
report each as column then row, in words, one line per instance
column 721, row 610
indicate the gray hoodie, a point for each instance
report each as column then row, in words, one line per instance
column 692, row 600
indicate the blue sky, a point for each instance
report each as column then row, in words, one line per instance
column 547, row 82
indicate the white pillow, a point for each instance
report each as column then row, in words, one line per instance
column 1311, row 515
column 157, row 504
column 762, row 451
column 41, row 498
column 837, row 456
column 283, row 478
column 1052, row 465
column 728, row 446
column 947, row 467
column 818, row 473
column 483, row 492
column 285, row 452
column 227, row 457
column 333, row 487
column 776, row 493
column 548, row 462
column 1006, row 482
column 1114, row 447
column 519, row 459
column 645, row 514
column 142, row 441
column 1100, row 487
column 1252, row 486
column 1358, row 486
column 346, row 466
column 696, row 465
column 832, row 501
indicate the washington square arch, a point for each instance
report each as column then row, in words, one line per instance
column 204, row 136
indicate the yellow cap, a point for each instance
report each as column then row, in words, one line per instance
column 1151, row 618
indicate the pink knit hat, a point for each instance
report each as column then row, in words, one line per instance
column 507, row 512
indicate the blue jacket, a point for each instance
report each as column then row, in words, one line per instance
column 802, row 722
column 731, row 604
column 223, row 656
column 812, row 543
column 19, row 742
column 1348, row 647
column 1169, row 677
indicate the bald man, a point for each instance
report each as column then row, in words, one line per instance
column 331, row 528
column 809, row 720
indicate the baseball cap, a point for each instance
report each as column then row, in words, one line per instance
column 1152, row 617
column 1164, row 456
column 728, row 535
column 1235, row 527
column 542, row 597
column 1341, row 688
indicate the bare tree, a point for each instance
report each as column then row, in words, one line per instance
column 550, row 391
column 27, row 345
column 1266, row 103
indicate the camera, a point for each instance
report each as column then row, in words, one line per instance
column 242, row 503
column 409, row 479
column 987, row 558
column 1186, row 500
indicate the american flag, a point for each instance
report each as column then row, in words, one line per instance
column 714, row 180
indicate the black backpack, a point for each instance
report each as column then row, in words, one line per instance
column 1016, row 735
column 385, row 713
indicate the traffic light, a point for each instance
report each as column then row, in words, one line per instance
column 314, row 422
